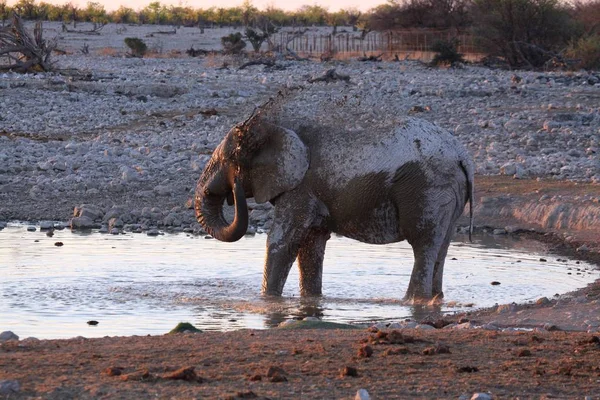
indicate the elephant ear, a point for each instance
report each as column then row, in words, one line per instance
column 279, row 164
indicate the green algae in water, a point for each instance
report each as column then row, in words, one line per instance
column 316, row 325
column 184, row 327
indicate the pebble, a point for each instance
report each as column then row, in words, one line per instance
column 31, row 228
column 157, row 161
column 362, row 394
column 8, row 335
column 481, row 396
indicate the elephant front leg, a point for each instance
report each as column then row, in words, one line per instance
column 295, row 214
column 310, row 262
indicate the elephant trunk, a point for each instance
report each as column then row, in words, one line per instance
column 209, row 212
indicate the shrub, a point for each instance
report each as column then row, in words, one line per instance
column 446, row 52
column 137, row 46
column 586, row 51
column 233, row 43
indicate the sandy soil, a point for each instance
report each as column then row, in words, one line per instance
column 311, row 364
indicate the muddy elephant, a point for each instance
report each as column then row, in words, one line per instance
column 411, row 182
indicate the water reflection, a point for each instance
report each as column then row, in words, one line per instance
column 135, row 284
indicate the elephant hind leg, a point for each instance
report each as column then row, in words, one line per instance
column 430, row 250
column 438, row 268
column 310, row 262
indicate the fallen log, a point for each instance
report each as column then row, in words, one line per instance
column 24, row 52
column 330, row 76
column 265, row 62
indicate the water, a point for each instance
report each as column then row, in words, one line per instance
column 136, row 285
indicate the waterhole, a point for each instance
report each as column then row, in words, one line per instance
column 133, row 284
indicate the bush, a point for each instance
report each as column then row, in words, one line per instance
column 446, row 52
column 233, row 43
column 527, row 33
column 586, row 51
column 256, row 38
column 137, row 46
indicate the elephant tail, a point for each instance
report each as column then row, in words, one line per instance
column 469, row 174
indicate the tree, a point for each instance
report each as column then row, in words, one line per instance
column 123, row 15
column 527, row 33
column 26, row 9
column 4, row 10
column 95, row 12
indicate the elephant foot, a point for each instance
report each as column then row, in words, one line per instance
column 272, row 293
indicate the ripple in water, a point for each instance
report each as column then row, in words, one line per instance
column 135, row 284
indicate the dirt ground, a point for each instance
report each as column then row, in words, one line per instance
column 560, row 363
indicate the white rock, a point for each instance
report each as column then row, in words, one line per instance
column 9, row 387
column 481, row 396
column 362, row 394
column 8, row 335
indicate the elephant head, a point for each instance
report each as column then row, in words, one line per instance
column 255, row 159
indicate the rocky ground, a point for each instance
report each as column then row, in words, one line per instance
column 307, row 364
column 121, row 142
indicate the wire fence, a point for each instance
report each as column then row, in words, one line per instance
column 409, row 44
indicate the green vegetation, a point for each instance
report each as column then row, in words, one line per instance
column 233, row 43
column 525, row 33
column 585, row 52
column 184, row 327
column 446, row 52
column 137, row 46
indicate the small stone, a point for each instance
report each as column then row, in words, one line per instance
column 8, row 387
column 467, row 368
column 349, row 371
column 59, row 244
column 425, row 327
column 551, row 327
column 183, row 374
column 365, row 351
column 31, row 228
column 82, row 223
column 506, row 308
column 153, row 232
column 115, row 231
column 274, row 370
column 113, row 371
column 278, row 378
column 524, row 353
column 465, row 325
column 494, row 283
column 93, row 323
column 140, row 375
column 542, row 301
column 45, row 225
column 8, row 335
column 438, row 349
column 481, row 396
column 362, row 394
column 255, row 378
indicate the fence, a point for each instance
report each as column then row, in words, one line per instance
column 411, row 44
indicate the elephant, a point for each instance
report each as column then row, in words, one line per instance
column 411, row 182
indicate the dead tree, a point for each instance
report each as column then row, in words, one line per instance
column 94, row 31
column 262, row 61
column 23, row 52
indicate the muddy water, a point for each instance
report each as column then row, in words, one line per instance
column 134, row 284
